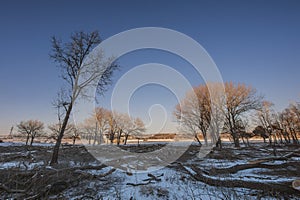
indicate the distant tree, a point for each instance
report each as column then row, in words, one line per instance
column 56, row 128
column 76, row 63
column 290, row 121
column 114, row 124
column 122, row 122
column 75, row 134
column 31, row 128
column 261, row 131
column 101, row 123
column 133, row 127
column 112, row 127
column 266, row 118
column 95, row 126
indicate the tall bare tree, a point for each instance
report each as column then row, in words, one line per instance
column 133, row 126
column 206, row 108
column 77, row 64
column 201, row 112
column 290, row 121
column 94, row 127
column 240, row 99
column 193, row 112
column 31, row 128
column 266, row 119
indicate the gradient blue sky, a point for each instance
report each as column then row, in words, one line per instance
column 253, row 42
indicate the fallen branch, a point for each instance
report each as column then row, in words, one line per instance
column 276, row 187
column 234, row 169
column 8, row 190
column 151, row 179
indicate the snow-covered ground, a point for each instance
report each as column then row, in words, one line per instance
column 169, row 181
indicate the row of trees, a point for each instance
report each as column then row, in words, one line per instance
column 215, row 108
column 278, row 127
column 35, row 128
column 114, row 126
column 31, row 129
column 103, row 124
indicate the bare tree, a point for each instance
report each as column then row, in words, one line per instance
column 193, row 112
column 78, row 64
column 134, row 127
column 261, row 131
column 206, row 110
column 201, row 112
column 122, row 121
column 126, row 126
column 95, row 126
column 31, row 128
column 113, row 127
column 216, row 105
column 290, row 121
column 240, row 99
column 56, row 128
column 116, row 125
column 266, row 119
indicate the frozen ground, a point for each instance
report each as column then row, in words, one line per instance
column 228, row 173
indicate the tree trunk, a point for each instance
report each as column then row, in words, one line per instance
column 219, row 143
column 244, row 141
column 111, row 136
column 27, row 139
column 32, row 138
column 126, row 138
column 236, row 141
column 198, row 140
column 138, row 142
column 119, row 137
column 95, row 138
column 54, row 159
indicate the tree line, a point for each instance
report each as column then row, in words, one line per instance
column 214, row 108
column 115, row 127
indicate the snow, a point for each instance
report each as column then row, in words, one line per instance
column 21, row 164
column 8, row 144
column 220, row 163
column 173, row 184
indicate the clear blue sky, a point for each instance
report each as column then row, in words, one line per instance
column 254, row 42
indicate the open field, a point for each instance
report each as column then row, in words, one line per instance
column 229, row 173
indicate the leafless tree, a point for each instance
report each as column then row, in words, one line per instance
column 71, row 131
column 193, row 112
column 266, row 119
column 113, row 127
column 201, row 111
column 80, row 70
column 31, row 128
column 95, row 126
column 116, row 126
column 240, row 99
column 134, row 126
column 56, row 128
column 290, row 121
column 122, row 121
column 261, row 131
column 206, row 111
